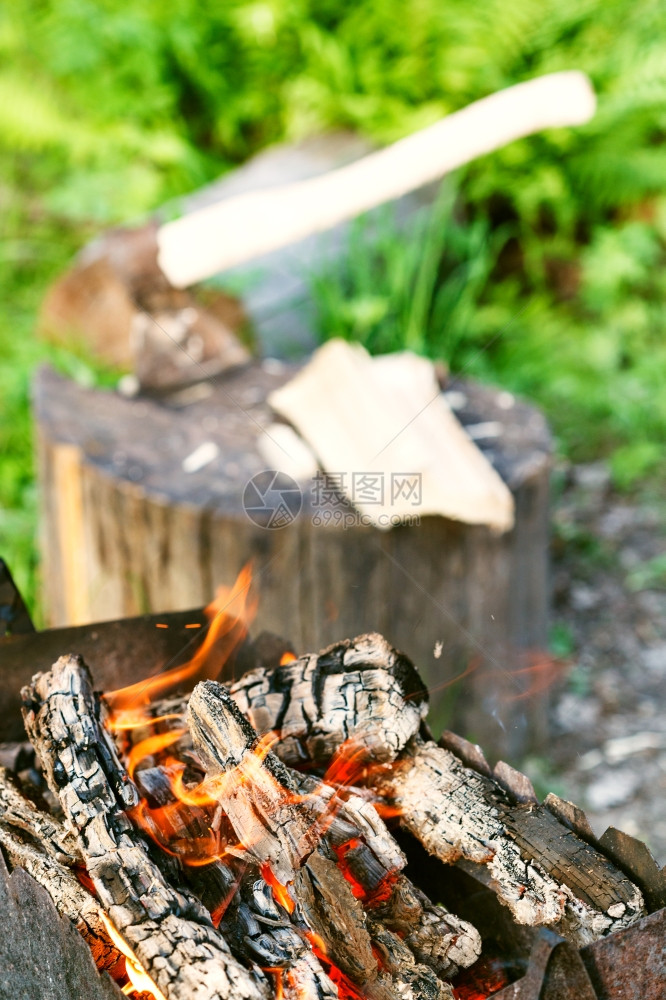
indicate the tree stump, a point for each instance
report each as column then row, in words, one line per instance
column 142, row 510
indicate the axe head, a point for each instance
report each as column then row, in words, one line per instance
column 118, row 302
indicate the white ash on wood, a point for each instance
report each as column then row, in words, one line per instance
column 360, row 689
column 345, row 822
column 169, row 931
column 361, row 841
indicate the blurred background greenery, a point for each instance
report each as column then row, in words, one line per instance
column 541, row 268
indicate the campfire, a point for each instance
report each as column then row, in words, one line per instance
column 295, row 833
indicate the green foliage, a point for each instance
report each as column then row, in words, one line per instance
column 544, row 273
column 415, row 286
column 561, row 641
column 650, row 575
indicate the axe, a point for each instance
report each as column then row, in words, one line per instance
column 134, row 293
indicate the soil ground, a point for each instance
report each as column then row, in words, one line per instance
column 608, row 744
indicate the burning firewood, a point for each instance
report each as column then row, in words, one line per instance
column 33, row 840
column 168, row 930
column 360, row 688
column 266, row 880
column 364, row 701
column 282, row 829
column 457, row 813
column 372, row 863
column 259, row 929
column 352, row 829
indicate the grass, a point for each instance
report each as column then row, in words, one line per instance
column 541, row 268
column 34, row 250
column 446, row 287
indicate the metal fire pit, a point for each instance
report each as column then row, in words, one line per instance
column 627, row 965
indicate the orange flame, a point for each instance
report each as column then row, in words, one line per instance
column 139, row 980
column 197, row 805
column 540, row 670
column 152, row 745
column 349, row 764
column 280, row 892
column 287, row 658
column 229, row 616
column 347, row 990
column 278, row 975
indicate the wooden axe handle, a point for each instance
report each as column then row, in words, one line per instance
column 244, row 227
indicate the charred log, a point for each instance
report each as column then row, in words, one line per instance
column 169, row 931
column 259, row 929
column 373, row 861
column 539, row 868
column 356, row 944
column 361, row 688
column 282, row 830
column 398, row 960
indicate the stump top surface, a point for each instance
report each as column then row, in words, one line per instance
column 146, row 441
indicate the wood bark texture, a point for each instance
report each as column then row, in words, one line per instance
column 168, row 930
column 33, row 840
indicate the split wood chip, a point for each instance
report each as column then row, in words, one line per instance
column 394, row 441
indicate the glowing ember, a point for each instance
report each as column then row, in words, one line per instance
column 287, row 658
column 139, row 980
column 383, row 890
column 486, row 977
column 357, row 889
